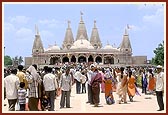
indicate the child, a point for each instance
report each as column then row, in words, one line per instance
column 45, row 103
column 22, row 96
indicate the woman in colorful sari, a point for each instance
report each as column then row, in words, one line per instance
column 102, row 84
column 34, row 79
column 151, row 81
column 114, row 81
column 95, row 84
column 108, row 88
column 122, row 86
column 131, row 86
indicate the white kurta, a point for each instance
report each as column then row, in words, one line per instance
column 160, row 81
column 11, row 83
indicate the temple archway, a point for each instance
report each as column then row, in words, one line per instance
column 73, row 59
column 108, row 60
column 81, row 59
column 54, row 60
column 65, row 59
column 90, row 59
column 98, row 59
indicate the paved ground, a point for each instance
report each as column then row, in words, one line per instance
column 141, row 104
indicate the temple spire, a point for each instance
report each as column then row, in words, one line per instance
column 81, row 30
column 37, row 45
column 95, row 39
column 68, row 40
column 126, row 44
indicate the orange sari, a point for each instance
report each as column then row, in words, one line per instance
column 108, row 91
column 131, row 86
column 151, row 83
column 108, row 87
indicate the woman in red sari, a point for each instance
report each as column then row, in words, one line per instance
column 95, row 84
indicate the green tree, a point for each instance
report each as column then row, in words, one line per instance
column 7, row 60
column 159, row 55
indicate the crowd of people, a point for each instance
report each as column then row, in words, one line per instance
column 44, row 85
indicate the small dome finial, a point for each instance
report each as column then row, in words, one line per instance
column 36, row 30
column 108, row 42
column 69, row 23
column 114, row 45
column 126, row 30
column 81, row 15
column 94, row 23
column 81, row 41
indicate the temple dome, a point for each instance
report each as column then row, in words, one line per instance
column 90, row 47
column 82, row 44
column 53, row 48
column 108, row 46
column 73, row 47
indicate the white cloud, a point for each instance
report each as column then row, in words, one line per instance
column 8, row 27
column 154, row 13
column 134, row 28
column 19, row 19
column 24, row 33
column 156, row 18
column 52, row 23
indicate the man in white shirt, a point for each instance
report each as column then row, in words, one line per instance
column 90, row 74
column 65, row 86
column 78, row 77
column 160, row 87
column 50, row 86
column 11, row 84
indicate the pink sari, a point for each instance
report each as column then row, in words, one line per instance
column 102, row 84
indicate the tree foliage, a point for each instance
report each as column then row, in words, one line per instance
column 17, row 60
column 13, row 61
column 159, row 55
column 7, row 60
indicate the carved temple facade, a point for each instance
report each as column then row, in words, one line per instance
column 83, row 50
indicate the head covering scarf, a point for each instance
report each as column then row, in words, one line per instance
column 35, row 78
column 108, row 74
column 33, row 72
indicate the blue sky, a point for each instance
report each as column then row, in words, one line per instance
column 146, row 22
